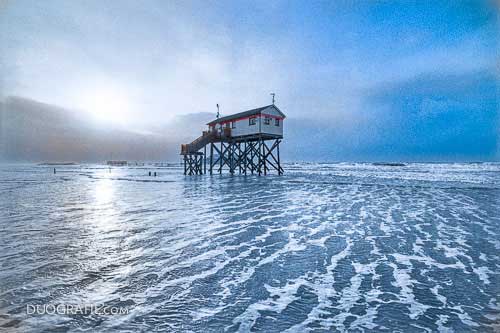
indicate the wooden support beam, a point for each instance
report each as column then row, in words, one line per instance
column 211, row 156
column 246, row 156
column 220, row 157
column 280, row 170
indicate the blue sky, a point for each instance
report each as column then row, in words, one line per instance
column 359, row 80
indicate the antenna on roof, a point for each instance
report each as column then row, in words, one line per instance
column 273, row 94
column 218, row 115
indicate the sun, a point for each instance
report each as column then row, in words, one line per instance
column 106, row 105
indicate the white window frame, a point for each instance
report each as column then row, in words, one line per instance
column 276, row 122
column 252, row 121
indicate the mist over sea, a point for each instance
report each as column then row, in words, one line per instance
column 325, row 247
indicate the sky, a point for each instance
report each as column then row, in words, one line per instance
column 358, row 80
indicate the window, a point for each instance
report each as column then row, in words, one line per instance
column 276, row 122
column 252, row 121
column 267, row 120
column 227, row 125
column 233, row 124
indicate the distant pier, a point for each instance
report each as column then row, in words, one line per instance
column 117, row 163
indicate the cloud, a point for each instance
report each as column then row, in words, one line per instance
column 439, row 116
column 339, row 70
column 34, row 131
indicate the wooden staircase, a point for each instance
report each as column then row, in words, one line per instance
column 202, row 141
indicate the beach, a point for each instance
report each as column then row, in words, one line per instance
column 412, row 247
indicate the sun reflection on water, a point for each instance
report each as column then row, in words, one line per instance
column 104, row 192
column 105, row 213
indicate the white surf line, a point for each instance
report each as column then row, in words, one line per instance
column 448, row 234
column 250, row 315
column 323, row 287
column 406, row 295
column 246, row 274
column 286, row 295
column 349, row 297
column 186, row 281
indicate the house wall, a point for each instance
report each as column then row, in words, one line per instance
column 242, row 127
column 271, row 111
column 271, row 128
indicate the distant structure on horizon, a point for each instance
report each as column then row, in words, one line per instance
column 238, row 143
column 117, row 163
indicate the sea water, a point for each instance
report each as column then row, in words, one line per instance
column 325, row 247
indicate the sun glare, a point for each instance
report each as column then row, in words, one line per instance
column 106, row 106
